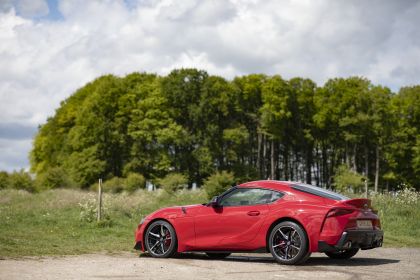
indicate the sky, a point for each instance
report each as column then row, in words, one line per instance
column 50, row 48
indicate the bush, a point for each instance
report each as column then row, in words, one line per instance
column 21, row 180
column 4, row 180
column 89, row 212
column 134, row 181
column 173, row 182
column 114, row 185
column 52, row 179
column 346, row 178
column 218, row 183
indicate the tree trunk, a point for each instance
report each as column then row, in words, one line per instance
column 354, row 158
column 366, row 170
column 318, row 167
column 286, row 163
column 264, row 140
column 309, row 166
column 377, row 170
column 273, row 168
column 259, row 155
column 347, row 155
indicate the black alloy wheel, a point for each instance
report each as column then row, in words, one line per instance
column 288, row 243
column 160, row 239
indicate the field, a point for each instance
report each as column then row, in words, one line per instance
column 62, row 221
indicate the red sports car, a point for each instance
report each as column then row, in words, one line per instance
column 290, row 220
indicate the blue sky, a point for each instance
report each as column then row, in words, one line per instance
column 48, row 49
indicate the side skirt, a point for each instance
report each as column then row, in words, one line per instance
column 259, row 251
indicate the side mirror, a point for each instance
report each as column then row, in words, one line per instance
column 214, row 202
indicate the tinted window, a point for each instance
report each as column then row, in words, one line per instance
column 245, row 196
column 319, row 191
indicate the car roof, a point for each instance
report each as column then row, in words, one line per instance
column 268, row 184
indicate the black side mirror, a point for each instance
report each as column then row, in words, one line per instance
column 214, row 202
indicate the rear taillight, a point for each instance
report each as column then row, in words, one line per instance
column 377, row 223
column 339, row 212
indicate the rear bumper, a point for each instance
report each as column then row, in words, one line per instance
column 363, row 239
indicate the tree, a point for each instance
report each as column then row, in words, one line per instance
column 256, row 126
column 218, row 183
column 402, row 151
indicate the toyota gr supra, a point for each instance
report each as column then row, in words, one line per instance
column 290, row 220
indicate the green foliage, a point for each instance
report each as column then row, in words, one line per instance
column 218, row 183
column 173, row 182
column 134, row 182
column 53, row 178
column 114, row 185
column 255, row 126
column 21, row 180
column 4, row 180
column 346, row 179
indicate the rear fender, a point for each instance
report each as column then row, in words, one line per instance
column 309, row 217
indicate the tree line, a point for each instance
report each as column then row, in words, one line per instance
column 254, row 126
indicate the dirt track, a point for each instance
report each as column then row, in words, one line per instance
column 383, row 263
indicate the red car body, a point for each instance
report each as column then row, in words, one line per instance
column 330, row 224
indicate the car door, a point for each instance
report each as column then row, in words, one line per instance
column 235, row 222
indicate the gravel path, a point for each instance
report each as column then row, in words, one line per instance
column 382, row 263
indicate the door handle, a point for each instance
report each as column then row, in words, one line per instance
column 253, row 213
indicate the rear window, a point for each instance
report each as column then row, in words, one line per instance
column 318, row 191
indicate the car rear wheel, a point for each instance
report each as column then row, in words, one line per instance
column 217, row 256
column 288, row 243
column 343, row 255
column 160, row 239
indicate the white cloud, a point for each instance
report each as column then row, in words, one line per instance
column 44, row 61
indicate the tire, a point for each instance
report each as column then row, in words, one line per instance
column 342, row 255
column 217, row 256
column 160, row 239
column 288, row 243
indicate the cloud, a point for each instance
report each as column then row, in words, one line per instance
column 43, row 60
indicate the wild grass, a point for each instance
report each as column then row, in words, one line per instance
column 60, row 222
column 400, row 217
column 63, row 221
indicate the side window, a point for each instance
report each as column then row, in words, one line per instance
column 246, row 196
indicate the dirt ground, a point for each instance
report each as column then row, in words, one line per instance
column 383, row 263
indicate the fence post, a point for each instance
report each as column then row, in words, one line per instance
column 366, row 188
column 100, row 200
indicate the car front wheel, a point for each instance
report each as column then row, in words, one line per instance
column 288, row 243
column 160, row 239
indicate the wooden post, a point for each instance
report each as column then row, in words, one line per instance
column 100, row 200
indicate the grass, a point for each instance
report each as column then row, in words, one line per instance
column 56, row 222
column 400, row 218
column 62, row 222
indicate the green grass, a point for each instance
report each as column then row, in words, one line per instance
column 400, row 218
column 49, row 223
column 62, row 222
